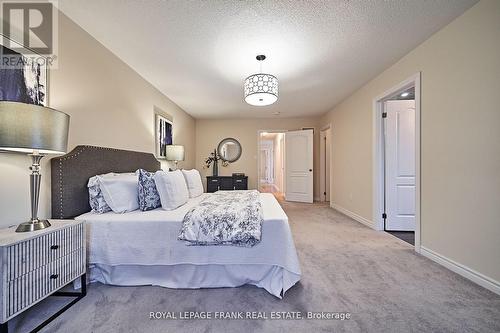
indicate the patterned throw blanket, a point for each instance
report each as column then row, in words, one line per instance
column 225, row 218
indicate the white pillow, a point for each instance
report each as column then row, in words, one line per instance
column 193, row 181
column 172, row 189
column 120, row 192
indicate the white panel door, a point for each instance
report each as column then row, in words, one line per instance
column 400, row 165
column 299, row 166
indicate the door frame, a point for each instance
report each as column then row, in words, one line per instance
column 378, row 153
column 322, row 157
column 259, row 132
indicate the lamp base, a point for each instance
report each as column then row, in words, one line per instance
column 33, row 226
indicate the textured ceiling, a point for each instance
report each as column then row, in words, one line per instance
column 199, row 52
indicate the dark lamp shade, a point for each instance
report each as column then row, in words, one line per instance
column 28, row 128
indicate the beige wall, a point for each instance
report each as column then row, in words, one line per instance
column 460, row 139
column 210, row 132
column 109, row 104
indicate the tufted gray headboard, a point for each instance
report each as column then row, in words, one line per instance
column 71, row 172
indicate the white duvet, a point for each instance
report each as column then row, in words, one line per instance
column 141, row 248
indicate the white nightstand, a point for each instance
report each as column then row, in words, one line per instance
column 35, row 265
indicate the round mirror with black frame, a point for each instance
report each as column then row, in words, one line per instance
column 229, row 150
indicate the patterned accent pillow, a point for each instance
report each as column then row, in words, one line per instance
column 96, row 199
column 149, row 198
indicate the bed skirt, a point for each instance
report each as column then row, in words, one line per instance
column 276, row 280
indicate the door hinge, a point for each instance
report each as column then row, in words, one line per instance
column 384, row 114
column 384, row 215
column 324, row 193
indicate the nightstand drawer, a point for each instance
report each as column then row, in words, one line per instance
column 36, row 285
column 25, row 257
column 212, row 184
column 240, row 184
column 226, row 184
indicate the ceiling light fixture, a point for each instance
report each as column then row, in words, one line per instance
column 405, row 94
column 261, row 89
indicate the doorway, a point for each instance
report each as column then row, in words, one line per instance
column 271, row 163
column 324, row 161
column 397, row 161
column 399, row 165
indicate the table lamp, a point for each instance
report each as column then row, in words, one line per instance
column 174, row 153
column 35, row 130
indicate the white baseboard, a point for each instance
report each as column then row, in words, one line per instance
column 452, row 265
column 462, row 270
column 354, row 216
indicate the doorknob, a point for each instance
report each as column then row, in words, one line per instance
column 310, row 170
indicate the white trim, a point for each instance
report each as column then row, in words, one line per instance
column 462, row 270
column 322, row 171
column 322, row 160
column 378, row 158
column 327, row 126
column 354, row 216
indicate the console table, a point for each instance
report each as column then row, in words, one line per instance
column 37, row 264
column 226, row 183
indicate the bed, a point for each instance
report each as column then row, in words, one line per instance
column 141, row 248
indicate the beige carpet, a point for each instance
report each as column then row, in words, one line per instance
column 346, row 267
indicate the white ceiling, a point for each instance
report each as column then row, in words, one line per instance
column 198, row 52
